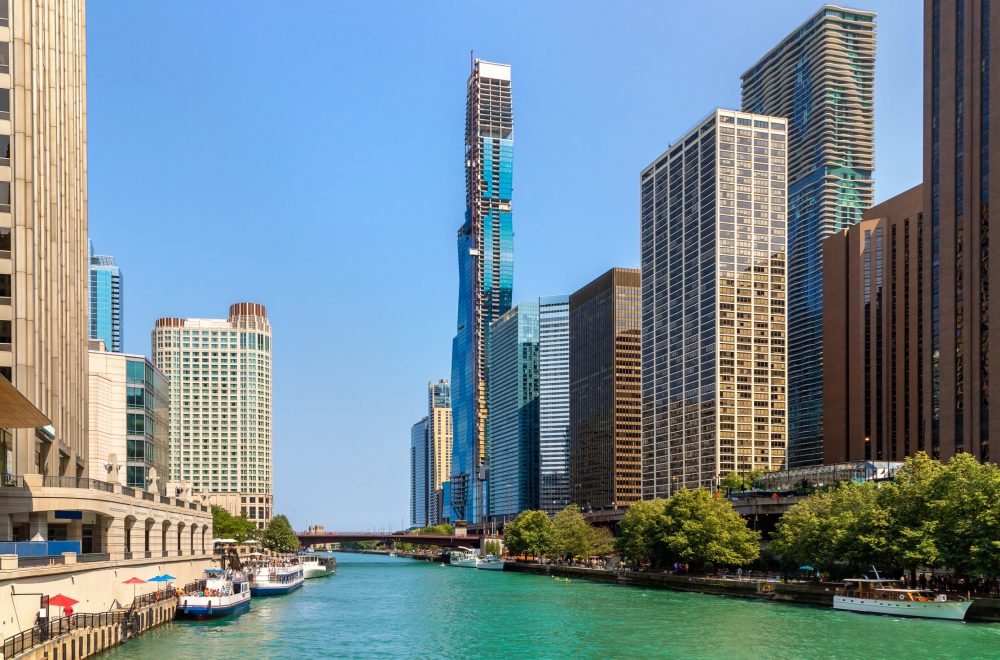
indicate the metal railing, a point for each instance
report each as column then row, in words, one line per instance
column 154, row 597
column 35, row 562
column 11, row 481
column 146, row 495
column 93, row 556
column 128, row 490
column 27, row 640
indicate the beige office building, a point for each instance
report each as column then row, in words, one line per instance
column 440, row 439
column 43, row 231
column 713, row 304
column 220, row 406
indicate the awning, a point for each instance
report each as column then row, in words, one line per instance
column 16, row 412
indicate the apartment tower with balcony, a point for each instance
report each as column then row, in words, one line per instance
column 821, row 78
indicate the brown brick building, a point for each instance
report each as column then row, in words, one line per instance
column 874, row 380
column 604, row 373
column 928, row 378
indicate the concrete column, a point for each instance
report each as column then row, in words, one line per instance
column 115, row 542
column 38, row 526
column 154, row 538
column 74, row 531
column 6, row 528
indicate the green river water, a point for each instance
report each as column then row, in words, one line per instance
column 386, row 607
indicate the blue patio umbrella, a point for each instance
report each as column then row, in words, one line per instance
column 166, row 577
column 806, row 567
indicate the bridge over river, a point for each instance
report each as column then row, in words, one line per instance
column 442, row 540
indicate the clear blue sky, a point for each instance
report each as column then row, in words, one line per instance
column 309, row 156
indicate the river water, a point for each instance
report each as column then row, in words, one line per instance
column 378, row 606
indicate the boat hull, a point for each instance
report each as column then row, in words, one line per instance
column 953, row 610
column 274, row 590
column 202, row 612
column 490, row 565
column 464, row 563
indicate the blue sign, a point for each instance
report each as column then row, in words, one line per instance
column 68, row 515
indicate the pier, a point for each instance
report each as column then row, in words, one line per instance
column 442, row 540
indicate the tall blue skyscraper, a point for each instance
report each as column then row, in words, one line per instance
column 485, row 277
column 821, row 78
column 553, row 403
column 513, row 405
column 105, row 300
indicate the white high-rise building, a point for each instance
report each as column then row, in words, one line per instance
column 713, row 211
column 553, row 403
column 220, row 406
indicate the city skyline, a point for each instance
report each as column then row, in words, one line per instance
column 562, row 242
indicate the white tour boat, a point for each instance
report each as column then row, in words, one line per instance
column 880, row 596
column 490, row 563
column 463, row 557
column 276, row 579
column 224, row 593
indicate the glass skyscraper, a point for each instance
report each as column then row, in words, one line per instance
column 105, row 301
column 486, row 274
column 419, row 470
column 821, row 78
column 513, row 405
column 553, row 403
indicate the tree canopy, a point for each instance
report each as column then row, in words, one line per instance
column 575, row 537
column 532, row 533
column 225, row 525
column 279, row 536
column 693, row 527
column 930, row 515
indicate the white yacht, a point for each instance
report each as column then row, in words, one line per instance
column 490, row 563
column 315, row 567
column 463, row 557
column 880, row 596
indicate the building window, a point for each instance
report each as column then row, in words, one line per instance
column 4, row 57
column 5, row 196
column 4, row 12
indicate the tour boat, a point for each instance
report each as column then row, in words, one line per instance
column 490, row 563
column 224, row 593
column 880, row 596
column 463, row 557
column 314, row 567
column 275, row 580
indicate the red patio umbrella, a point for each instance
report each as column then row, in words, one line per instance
column 61, row 601
column 134, row 581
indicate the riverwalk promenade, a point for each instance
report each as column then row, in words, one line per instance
column 806, row 593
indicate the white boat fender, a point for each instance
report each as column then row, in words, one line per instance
column 902, row 597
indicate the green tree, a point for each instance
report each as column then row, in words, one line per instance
column 279, row 536
column 700, row 528
column 532, row 532
column 225, row 526
column 846, row 524
column 493, row 547
column 641, row 530
column 740, row 481
column 602, row 541
column 967, row 521
column 909, row 497
column 572, row 534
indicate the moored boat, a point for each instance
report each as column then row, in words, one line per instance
column 315, row 567
column 463, row 557
column 224, row 593
column 276, row 579
column 490, row 563
column 880, row 596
